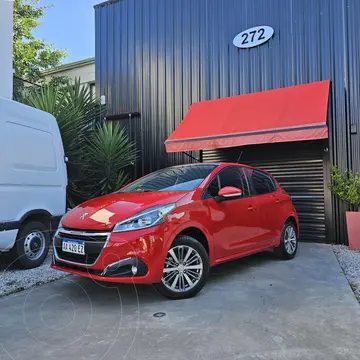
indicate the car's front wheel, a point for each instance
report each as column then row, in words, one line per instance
column 186, row 269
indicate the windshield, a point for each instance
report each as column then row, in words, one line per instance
column 179, row 178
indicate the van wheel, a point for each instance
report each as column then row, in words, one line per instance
column 186, row 269
column 32, row 245
column 288, row 242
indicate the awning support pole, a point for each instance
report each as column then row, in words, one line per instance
column 191, row 157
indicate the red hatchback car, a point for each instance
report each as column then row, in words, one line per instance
column 168, row 228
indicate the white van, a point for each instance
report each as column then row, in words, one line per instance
column 33, row 181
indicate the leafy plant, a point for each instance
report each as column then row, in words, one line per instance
column 346, row 186
column 31, row 55
column 98, row 152
column 109, row 154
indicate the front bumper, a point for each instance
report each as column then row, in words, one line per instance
column 122, row 271
column 112, row 256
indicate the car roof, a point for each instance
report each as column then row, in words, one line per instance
column 213, row 164
column 223, row 164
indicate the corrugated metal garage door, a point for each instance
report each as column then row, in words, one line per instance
column 299, row 169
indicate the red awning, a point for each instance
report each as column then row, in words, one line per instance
column 289, row 114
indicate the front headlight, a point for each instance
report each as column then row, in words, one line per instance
column 145, row 219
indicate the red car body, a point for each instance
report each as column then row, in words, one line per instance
column 227, row 229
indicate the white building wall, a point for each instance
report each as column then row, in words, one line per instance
column 86, row 73
column 6, row 40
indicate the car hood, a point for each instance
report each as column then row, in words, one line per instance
column 105, row 212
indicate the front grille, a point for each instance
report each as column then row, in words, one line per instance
column 78, row 268
column 94, row 243
column 83, row 235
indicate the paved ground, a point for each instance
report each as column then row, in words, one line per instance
column 13, row 279
column 254, row 308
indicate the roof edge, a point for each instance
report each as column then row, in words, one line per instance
column 69, row 66
column 104, row 3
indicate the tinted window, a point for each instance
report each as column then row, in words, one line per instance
column 230, row 176
column 261, row 183
column 213, row 188
column 245, row 189
column 180, row 178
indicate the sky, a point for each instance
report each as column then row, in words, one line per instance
column 70, row 25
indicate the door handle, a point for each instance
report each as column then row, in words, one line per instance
column 277, row 201
column 251, row 208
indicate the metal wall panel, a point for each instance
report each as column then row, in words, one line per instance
column 299, row 168
column 159, row 56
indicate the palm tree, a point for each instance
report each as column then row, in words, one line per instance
column 109, row 154
column 98, row 151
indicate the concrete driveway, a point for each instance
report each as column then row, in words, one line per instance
column 253, row 308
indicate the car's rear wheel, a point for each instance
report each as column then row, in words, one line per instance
column 186, row 269
column 288, row 242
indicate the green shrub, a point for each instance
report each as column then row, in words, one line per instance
column 99, row 152
column 109, row 153
column 346, row 186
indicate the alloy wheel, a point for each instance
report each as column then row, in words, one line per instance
column 290, row 240
column 183, row 269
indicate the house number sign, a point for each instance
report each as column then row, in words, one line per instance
column 253, row 37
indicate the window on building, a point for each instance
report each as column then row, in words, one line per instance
column 93, row 89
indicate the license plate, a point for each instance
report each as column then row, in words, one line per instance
column 73, row 246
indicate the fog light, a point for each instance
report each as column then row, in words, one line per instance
column 134, row 270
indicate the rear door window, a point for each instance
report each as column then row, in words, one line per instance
column 260, row 182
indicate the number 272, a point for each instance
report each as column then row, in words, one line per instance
column 252, row 34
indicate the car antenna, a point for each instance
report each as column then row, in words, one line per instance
column 191, row 157
column 239, row 158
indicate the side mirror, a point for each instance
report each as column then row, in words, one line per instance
column 229, row 193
